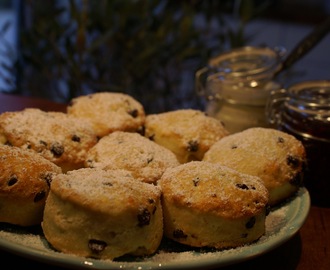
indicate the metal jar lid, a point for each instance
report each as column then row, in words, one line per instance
column 303, row 108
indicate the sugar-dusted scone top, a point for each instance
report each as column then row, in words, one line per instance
column 145, row 159
column 103, row 214
column 188, row 133
column 56, row 136
column 109, row 111
column 275, row 156
column 209, row 205
column 25, row 178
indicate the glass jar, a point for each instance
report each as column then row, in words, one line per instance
column 303, row 110
column 237, row 83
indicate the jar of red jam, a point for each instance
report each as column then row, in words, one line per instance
column 303, row 110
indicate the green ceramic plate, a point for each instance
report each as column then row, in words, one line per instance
column 281, row 224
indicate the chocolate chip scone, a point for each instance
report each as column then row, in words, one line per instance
column 103, row 214
column 209, row 205
column 276, row 157
column 188, row 133
column 109, row 111
column 25, row 179
column 56, row 136
column 145, row 159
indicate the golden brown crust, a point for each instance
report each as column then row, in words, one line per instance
column 206, row 204
column 56, row 136
column 216, row 189
column 103, row 214
column 276, row 157
column 25, row 178
column 188, row 133
column 109, row 111
column 145, row 159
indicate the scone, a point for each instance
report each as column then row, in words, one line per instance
column 56, row 136
column 188, row 133
column 145, row 159
column 103, row 214
column 276, row 157
column 25, row 179
column 209, row 205
column 109, row 111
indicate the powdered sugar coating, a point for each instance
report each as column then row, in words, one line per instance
column 216, row 189
column 56, row 136
column 145, row 159
column 108, row 112
column 188, row 133
column 103, row 214
column 104, row 191
column 276, row 157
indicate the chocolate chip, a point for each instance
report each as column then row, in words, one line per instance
column 242, row 186
column 297, row 179
column 39, row 196
column 57, row 149
column 292, row 161
column 196, row 181
column 151, row 201
column 152, row 137
column 12, row 180
column 43, row 143
column 234, row 146
column 250, row 223
column 109, row 184
column 144, row 218
column 75, row 138
column 192, row 146
column 179, row 234
column 8, row 143
column 280, row 140
column 134, row 113
column 96, row 246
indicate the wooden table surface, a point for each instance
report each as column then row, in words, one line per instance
column 307, row 249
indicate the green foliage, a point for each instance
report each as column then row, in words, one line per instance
column 139, row 47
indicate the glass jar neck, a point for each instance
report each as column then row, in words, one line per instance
column 241, row 76
column 306, row 110
column 246, row 63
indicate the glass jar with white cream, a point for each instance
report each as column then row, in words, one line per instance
column 236, row 85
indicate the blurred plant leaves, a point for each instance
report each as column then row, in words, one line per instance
column 140, row 47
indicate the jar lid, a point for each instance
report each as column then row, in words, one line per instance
column 307, row 109
column 247, row 61
column 311, row 95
